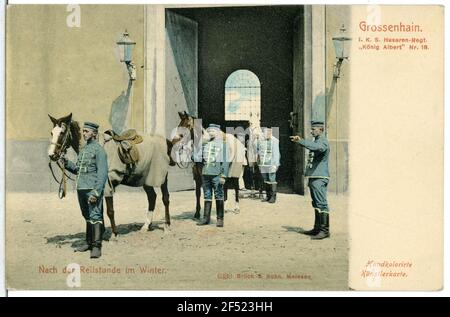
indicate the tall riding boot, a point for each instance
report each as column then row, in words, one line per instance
column 96, row 251
column 268, row 192
column 103, row 230
column 207, row 214
column 273, row 193
column 314, row 230
column 220, row 213
column 324, row 227
column 88, row 245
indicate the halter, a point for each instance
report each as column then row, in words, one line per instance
column 63, row 144
column 63, row 182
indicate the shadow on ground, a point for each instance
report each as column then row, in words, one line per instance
column 78, row 239
column 187, row 215
column 292, row 229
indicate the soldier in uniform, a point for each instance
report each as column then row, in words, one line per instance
column 91, row 169
column 215, row 171
column 318, row 176
column 268, row 161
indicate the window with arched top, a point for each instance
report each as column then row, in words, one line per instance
column 242, row 96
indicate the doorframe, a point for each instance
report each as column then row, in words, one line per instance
column 313, row 46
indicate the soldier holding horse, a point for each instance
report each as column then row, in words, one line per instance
column 91, row 169
column 148, row 170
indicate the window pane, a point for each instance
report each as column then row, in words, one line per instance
column 242, row 96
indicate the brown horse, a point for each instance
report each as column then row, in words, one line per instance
column 187, row 127
column 149, row 172
column 65, row 134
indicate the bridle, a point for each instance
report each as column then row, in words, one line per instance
column 63, row 146
column 181, row 147
column 181, row 150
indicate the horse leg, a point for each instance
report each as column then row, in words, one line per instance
column 236, row 192
column 166, row 202
column 198, row 193
column 151, row 197
column 251, row 181
column 110, row 211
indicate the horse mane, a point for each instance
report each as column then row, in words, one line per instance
column 76, row 136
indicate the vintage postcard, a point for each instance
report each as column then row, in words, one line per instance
column 233, row 147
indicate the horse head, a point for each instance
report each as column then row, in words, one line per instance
column 182, row 138
column 186, row 120
column 65, row 133
column 185, row 129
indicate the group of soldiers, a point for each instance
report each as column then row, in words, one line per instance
column 91, row 169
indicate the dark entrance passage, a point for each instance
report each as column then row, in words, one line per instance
column 258, row 39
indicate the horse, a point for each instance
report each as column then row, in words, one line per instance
column 188, row 137
column 182, row 140
column 148, row 172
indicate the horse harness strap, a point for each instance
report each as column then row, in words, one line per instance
column 62, row 190
column 63, row 143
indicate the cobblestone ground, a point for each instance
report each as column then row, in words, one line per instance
column 259, row 248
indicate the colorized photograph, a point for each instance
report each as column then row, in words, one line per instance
column 177, row 147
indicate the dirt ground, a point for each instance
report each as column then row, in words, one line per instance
column 258, row 249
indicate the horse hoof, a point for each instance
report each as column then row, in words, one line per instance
column 145, row 228
column 167, row 229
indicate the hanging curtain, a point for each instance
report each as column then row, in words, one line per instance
column 183, row 37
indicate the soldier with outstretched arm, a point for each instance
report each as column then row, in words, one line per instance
column 318, row 177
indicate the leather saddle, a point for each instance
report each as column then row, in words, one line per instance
column 127, row 150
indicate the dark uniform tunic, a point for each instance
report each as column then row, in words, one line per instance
column 317, row 170
column 92, row 173
column 215, row 166
column 268, row 158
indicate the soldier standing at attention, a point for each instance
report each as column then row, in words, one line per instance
column 318, row 177
column 91, row 169
column 269, row 162
column 214, row 173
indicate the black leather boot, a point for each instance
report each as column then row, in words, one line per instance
column 96, row 251
column 220, row 213
column 88, row 245
column 206, row 214
column 324, row 227
column 314, row 230
column 268, row 189
column 273, row 193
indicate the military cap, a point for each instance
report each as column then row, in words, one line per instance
column 214, row 126
column 91, row 125
column 317, row 124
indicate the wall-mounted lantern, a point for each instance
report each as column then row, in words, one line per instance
column 126, row 45
column 342, row 48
